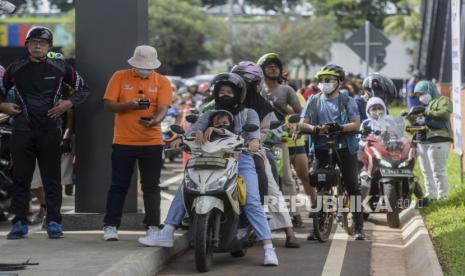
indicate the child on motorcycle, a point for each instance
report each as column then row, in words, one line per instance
column 378, row 124
column 220, row 123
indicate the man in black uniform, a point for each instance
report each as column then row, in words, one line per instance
column 41, row 98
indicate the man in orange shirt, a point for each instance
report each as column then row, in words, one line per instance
column 140, row 98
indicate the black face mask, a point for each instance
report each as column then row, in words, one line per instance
column 226, row 102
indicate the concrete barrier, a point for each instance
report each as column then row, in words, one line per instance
column 148, row 261
column 421, row 259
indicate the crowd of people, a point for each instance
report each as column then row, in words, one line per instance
column 41, row 91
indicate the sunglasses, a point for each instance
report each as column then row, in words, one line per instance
column 39, row 42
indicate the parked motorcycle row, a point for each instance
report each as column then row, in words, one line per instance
column 212, row 189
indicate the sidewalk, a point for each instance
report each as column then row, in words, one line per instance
column 85, row 253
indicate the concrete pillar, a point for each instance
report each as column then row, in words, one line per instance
column 107, row 31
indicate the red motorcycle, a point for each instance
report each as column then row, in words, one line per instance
column 390, row 159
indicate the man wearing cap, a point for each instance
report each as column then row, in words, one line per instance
column 40, row 83
column 140, row 98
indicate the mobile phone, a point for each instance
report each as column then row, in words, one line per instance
column 144, row 103
column 145, row 118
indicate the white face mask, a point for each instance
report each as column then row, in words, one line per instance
column 327, row 88
column 143, row 73
column 425, row 98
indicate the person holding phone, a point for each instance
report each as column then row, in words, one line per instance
column 140, row 98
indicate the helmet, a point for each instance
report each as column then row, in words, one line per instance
column 332, row 70
column 232, row 79
column 40, row 33
column 270, row 58
column 418, row 73
column 204, row 87
column 377, row 85
column 191, row 82
column 249, row 71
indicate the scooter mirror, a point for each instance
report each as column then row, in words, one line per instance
column 250, row 128
column 192, row 118
column 194, row 111
column 177, row 129
column 275, row 124
column 294, row 118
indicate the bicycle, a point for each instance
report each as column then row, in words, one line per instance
column 329, row 184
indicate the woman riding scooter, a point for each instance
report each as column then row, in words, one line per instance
column 229, row 92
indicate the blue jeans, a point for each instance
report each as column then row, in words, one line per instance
column 253, row 208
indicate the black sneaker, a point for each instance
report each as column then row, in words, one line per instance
column 292, row 242
column 69, row 189
column 297, row 222
column 311, row 236
column 359, row 235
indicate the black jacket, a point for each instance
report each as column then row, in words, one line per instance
column 39, row 86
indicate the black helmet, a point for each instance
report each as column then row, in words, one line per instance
column 40, row 33
column 270, row 58
column 332, row 70
column 377, row 85
column 418, row 73
column 233, row 80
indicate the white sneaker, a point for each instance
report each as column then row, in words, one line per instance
column 157, row 238
column 110, row 233
column 270, row 257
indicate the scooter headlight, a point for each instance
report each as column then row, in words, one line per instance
column 385, row 163
column 191, row 185
column 405, row 163
column 220, row 183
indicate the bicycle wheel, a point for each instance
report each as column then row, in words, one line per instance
column 323, row 221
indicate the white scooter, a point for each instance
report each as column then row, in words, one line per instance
column 211, row 198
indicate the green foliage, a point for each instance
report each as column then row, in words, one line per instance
column 251, row 41
column 351, row 14
column 212, row 3
column 303, row 41
column 407, row 24
column 26, row 6
column 307, row 41
column 272, row 5
column 70, row 25
column 446, row 222
column 62, row 5
column 183, row 34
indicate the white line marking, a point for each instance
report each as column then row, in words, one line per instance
column 337, row 251
column 172, row 180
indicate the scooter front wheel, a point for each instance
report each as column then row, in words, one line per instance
column 203, row 236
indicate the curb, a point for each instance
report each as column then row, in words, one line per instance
column 421, row 259
column 149, row 260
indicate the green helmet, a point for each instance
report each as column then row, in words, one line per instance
column 332, row 70
column 270, row 58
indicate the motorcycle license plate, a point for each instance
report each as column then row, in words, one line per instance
column 396, row 172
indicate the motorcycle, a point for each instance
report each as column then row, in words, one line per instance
column 6, row 180
column 168, row 135
column 210, row 194
column 393, row 158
